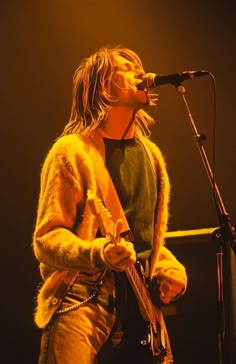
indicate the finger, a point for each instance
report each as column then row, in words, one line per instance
column 125, row 257
column 120, row 250
column 167, row 286
column 164, row 298
column 173, row 275
column 170, row 293
column 174, row 286
column 118, row 255
column 173, row 281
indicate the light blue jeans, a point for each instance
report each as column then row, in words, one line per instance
column 76, row 336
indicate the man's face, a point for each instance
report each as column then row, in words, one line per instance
column 124, row 84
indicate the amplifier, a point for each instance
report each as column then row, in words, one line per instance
column 195, row 322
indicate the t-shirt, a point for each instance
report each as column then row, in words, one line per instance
column 133, row 177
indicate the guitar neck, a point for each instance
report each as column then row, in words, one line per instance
column 140, row 290
column 109, row 228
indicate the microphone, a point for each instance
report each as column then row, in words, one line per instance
column 151, row 80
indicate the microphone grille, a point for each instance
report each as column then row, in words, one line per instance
column 149, row 79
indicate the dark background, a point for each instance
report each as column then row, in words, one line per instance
column 42, row 42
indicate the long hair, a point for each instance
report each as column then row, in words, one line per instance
column 91, row 95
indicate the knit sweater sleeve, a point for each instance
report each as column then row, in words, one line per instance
column 58, row 240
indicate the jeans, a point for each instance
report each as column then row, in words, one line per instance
column 76, row 336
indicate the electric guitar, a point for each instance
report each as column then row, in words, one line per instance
column 148, row 311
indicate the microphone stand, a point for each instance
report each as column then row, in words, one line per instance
column 224, row 235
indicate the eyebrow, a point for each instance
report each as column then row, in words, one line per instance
column 128, row 65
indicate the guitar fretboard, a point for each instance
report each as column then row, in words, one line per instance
column 140, row 290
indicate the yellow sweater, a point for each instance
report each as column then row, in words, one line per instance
column 63, row 240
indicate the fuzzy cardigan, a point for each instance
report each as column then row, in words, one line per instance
column 63, row 239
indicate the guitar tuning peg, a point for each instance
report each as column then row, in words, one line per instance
column 108, row 214
column 100, row 204
column 105, row 210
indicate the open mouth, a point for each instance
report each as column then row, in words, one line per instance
column 141, row 86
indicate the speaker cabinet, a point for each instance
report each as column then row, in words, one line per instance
column 196, row 321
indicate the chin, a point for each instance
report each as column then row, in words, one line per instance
column 142, row 98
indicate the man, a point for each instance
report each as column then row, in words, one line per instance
column 86, row 307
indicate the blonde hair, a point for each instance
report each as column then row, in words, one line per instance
column 91, row 92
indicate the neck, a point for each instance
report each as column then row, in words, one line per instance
column 116, row 123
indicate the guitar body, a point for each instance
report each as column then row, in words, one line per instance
column 136, row 351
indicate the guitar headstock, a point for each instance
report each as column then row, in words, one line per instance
column 106, row 224
column 96, row 205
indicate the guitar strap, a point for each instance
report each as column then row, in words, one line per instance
column 106, row 187
column 111, row 201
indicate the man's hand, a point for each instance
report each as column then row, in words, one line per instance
column 172, row 284
column 120, row 255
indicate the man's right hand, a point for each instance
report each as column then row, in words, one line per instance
column 120, row 255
